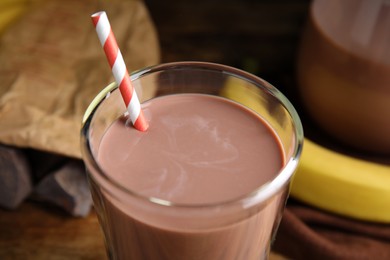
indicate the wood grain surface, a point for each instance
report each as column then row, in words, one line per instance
column 37, row 232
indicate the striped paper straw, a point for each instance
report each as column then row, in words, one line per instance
column 119, row 70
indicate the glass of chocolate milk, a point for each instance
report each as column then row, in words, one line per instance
column 209, row 178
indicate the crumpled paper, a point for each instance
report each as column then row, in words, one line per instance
column 52, row 66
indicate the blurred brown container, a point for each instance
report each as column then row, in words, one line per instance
column 344, row 71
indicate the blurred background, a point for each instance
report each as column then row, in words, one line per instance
column 52, row 65
column 260, row 36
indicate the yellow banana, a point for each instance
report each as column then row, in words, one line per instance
column 343, row 184
column 4, row 4
column 10, row 10
column 332, row 181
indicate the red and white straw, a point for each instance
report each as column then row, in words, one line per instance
column 119, row 70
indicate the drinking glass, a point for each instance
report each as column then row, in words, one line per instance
column 139, row 227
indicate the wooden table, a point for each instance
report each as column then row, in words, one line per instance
column 34, row 231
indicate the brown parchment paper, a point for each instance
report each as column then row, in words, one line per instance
column 52, row 66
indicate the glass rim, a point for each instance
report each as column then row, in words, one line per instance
column 262, row 193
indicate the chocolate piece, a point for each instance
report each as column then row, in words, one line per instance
column 43, row 163
column 15, row 179
column 67, row 188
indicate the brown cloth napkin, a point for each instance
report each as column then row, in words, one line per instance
column 309, row 233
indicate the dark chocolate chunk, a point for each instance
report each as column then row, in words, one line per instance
column 67, row 188
column 15, row 177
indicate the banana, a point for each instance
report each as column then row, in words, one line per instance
column 10, row 10
column 342, row 184
column 4, row 4
column 330, row 180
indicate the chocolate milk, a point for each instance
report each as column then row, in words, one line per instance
column 344, row 72
column 200, row 154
